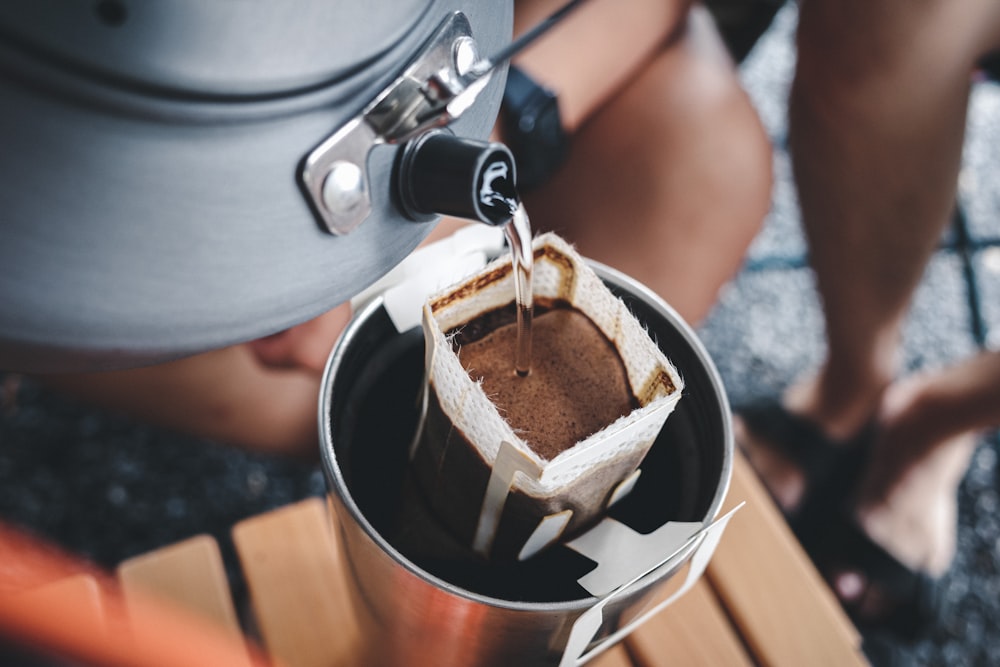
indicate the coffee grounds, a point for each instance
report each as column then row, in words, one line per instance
column 576, row 387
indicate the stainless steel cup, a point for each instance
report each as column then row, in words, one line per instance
column 450, row 608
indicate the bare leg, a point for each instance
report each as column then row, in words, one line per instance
column 906, row 500
column 877, row 119
column 876, row 122
column 596, row 50
column 670, row 179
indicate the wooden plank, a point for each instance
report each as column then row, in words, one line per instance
column 295, row 577
column 694, row 631
column 189, row 573
column 786, row 613
column 614, row 657
column 84, row 619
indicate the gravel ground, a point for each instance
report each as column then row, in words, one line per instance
column 108, row 488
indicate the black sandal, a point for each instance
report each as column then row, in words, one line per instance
column 830, row 468
column 916, row 597
column 828, row 534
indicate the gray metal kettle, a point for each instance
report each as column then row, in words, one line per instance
column 154, row 173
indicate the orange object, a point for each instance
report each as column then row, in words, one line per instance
column 60, row 605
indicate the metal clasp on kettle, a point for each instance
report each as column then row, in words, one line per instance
column 435, row 89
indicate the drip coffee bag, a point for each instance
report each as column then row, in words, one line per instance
column 508, row 464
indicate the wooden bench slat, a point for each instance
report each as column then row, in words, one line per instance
column 693, row 631
column 189, row 573
column 616, row 656
column 85, row 618
column 296, row 581
column 787, row 614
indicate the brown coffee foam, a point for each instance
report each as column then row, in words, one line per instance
column 577, row 385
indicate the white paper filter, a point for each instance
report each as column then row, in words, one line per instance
column 559, row 273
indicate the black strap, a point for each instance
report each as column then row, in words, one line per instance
column 532, row 129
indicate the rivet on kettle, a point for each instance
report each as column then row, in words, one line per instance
column 343, row 188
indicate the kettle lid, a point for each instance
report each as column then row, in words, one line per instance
column 253, row 47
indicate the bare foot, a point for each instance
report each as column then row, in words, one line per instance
column 907, row 500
